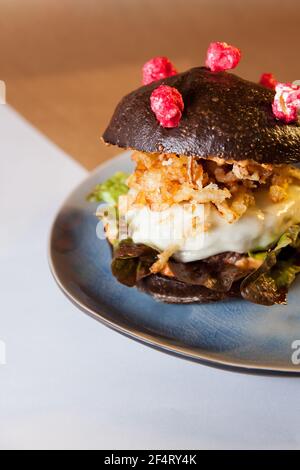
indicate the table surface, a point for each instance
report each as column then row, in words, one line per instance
column 71, row 383
column 67, row 64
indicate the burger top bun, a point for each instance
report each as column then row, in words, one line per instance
column 224, row 116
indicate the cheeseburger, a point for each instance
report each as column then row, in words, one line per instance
column 212, row 209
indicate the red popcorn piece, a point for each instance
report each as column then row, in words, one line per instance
column 167, row 105
column 157, row 69
column 268, row 80
column 221, row 56
column 286, row 102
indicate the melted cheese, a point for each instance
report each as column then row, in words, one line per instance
column 198, row 232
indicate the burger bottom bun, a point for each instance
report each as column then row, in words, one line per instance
column 172, row 291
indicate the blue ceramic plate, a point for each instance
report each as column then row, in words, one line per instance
column 234, row 334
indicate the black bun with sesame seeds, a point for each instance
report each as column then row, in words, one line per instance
column 225, row 116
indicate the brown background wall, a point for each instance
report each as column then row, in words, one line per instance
column 66, row 63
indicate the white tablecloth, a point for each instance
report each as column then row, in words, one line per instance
column 68, row 381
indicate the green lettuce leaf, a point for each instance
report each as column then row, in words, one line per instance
column 285, row 272
column 110, row 190
column 269, row 284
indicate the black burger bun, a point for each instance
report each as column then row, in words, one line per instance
column 172, row 291
column 224, row 116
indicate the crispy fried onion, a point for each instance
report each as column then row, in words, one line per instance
column 161, row 180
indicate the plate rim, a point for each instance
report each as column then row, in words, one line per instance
column 147, row 339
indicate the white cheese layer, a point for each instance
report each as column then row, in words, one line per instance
column 182, row 227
